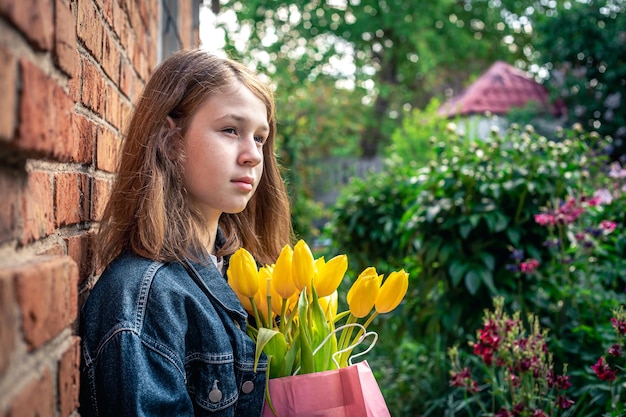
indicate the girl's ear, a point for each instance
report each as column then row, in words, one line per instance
column 171, row 142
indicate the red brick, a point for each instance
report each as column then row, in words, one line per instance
column 35, row 400
column 75, row 83
column 80, row 249
column 107, row 150
column 33, row 18
column 111, row 58
column 184, row 9
column 90, row 28
column 108, row 12
column 47, row 292
column 69, row 378
column 8, row 320
column 84, row 139
column 54, row 250
column 93, row 89
column 125, row 113
column 11, row 184
column 65, row 52
column 100, row 192
column 120, row 24
column 70, row 198
column 8, row 94
column 42, row 100
column 112, row 106
column 143, row 12
column 37, row 207
column 138, row 87
column 126, row 78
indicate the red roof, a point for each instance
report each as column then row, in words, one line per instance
column 499, row 89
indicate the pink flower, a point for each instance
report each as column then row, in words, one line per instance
column 529, row 266
column 544, row 219
column 607, row 225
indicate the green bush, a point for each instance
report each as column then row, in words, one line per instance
column 454, row 225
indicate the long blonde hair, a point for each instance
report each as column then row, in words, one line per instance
column 148, row 212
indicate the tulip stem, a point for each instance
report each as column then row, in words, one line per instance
column 346, row 334
column 283, row 311
column 270, row 318
column 367, row 323
column 257, row 316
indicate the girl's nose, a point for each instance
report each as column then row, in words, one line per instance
column 251, row 152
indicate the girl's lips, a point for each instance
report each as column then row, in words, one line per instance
column 245, row 183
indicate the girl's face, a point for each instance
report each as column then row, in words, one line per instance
column 224, row 152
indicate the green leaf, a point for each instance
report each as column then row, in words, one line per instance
column 465, row 230
column 274, row 344
column 319, row 331
column 486, row 277
column 472, row 282
column 307, row 365
column 457, row 270
column 514, row 235
column 502, row 221
column 488, row 260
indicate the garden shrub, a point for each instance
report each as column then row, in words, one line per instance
column 458, row 224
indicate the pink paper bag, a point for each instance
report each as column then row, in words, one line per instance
column 345, row 392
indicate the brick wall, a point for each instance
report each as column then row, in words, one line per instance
column 69, row 73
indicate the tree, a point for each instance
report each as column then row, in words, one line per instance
column 402, row 53
column 584, row 46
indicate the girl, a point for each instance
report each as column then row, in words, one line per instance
column 162, row 332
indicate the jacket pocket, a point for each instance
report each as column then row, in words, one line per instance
column 212, row 384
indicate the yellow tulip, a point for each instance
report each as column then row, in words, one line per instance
column 392, row 291
column 243, row 275
column 260, row 299
column 303, row 265
column 362, row 295
column 329, row 275
column 245, row 302
column 282, row 281
column 329, row 305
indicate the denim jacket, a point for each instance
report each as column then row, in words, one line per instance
column 157, row 342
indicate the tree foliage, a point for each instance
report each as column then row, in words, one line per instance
column 584, row 45
column 400, row 54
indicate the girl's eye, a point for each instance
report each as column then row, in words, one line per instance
column 260, row 140
column 230, row 131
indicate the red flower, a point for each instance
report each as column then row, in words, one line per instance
column 563, row 403
column 619, row 325
column 603, row 370
column 615, row 350
column 562, row 382
column 464, row 379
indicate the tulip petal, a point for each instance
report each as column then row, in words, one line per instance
column 362, row 295
column 330, row 275
column 303, row 265
column 242, row 273
column 392, row 291
column 282, row 280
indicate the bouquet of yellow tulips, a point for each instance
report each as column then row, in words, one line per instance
column 295, row 301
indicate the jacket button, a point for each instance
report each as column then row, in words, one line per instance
column 247, row 387
column 215, row 395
